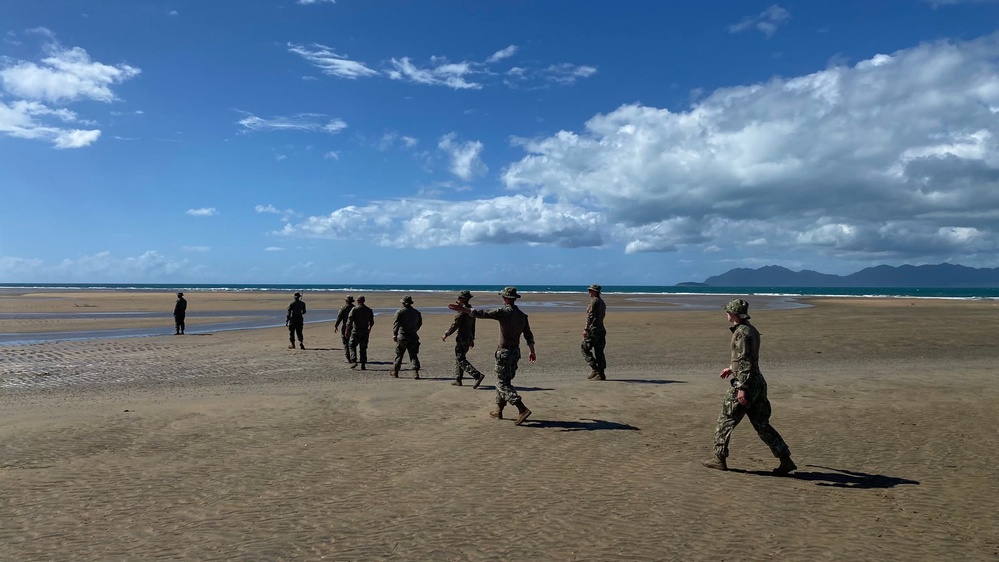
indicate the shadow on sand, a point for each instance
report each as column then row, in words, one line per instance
column 838, row 478
column 581, row 425
column 519, row 388
column 646, row 381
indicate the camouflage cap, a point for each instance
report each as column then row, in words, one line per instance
column 348, row 298
column 509, row 293
column 594, row 287
column 407, row 300
column 737, row 307
column 465, row 294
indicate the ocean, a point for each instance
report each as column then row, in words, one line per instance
column 900, row 292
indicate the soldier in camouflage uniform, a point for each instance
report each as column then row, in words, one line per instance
column 465, row 340
column 359, row 323
column 405, row 328
column 595, row 335
column 512, row 323
column 341, row 321
column 748, row 395
column 295, row 321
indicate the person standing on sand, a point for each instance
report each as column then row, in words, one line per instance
column 295, row 320
column 465, row 340
column 179, row 313
column 512, row 323
column 341, row 320
column 595, row 335
column 748, row 395
column 359, row 323
column 405, row 328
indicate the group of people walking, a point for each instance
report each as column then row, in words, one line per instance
column 746, row 397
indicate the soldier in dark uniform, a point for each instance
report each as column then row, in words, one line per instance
column 465, row 340
column 512, row 323
column 295, row 320
column 405, row 328
column 748, row 394
column 179, row 313
column 595, row 335
column 341, row 321
column 359, row 323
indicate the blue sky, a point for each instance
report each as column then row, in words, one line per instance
column 554, row 142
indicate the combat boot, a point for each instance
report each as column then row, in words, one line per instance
column 498, row 412
column 716, row 463
column 394, row 374
column 353, row 364
column 786, row 466
column 601, row 376
column 363, row 368
column 292, row 346
column 416, row 374
column 593, row 374
column 457, row 382
column 301, row 345
column 524, row 413
column 478, row 381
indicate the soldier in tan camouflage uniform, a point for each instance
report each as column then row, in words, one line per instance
column 595, row 335
column 748, row 395
column 359, row 323
column 512, row 323
column 405, row 328
column 465, row 340
column 341, row 325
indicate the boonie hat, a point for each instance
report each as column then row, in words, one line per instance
column 407, row 300
column 298, row 294
column 360, row 298
column 466, row 294
column 509, row 292
column 594, row 287
column 738, row 307
column 180, row 294
column 348, row 298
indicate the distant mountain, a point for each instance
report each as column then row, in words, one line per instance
column 944, row 275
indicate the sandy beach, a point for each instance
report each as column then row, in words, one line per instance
column 222, row 445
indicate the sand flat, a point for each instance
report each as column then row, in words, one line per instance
column 229, row 445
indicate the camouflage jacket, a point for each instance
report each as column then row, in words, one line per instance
column 513, row 322
column 296, row 311
column 595, row 314
column 360, row 318
column 408, row 322
column 341, row 317
column 745, row 354
column 465, row 326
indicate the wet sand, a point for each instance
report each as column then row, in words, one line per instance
column 226, row 444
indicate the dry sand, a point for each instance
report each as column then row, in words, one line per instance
column 230, row 446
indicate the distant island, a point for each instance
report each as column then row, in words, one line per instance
column 944, row 275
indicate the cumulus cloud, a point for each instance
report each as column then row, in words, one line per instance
column 312, row 122
column 766, row 22
column 330, row 63
column 433, row 223
column 100, row 267
column 502, row 54
column 202, row 212
column 894, row 156
column 63, row 76
column 464, row 156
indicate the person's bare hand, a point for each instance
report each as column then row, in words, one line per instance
column 457, row 307
column 740, row 397
column 336, row 329
column 471, row 345
column 533, row 357
column 726, row 373
column 444, row 337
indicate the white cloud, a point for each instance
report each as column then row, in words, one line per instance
column 174, row 13
column 466, row 162
column 312, row 122
column 566, row 73
column 196, row 249
column 434, row 223
column 309, row 2
column 202, row 212
column 330, row 63
column 285, row 214
column 332, row 155
column 439, row 73
column 502, row 54
column 895, row 156
column 766, row 22
column 26, row 120
column 273, row 249
column 101, row 267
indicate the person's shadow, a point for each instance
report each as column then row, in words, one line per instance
column 838, row 478
column 519, row 388
column 581, row 425
column 647, row 381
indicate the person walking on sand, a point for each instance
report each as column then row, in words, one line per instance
column 748, row 394
column 405, row 334
column 464, row 324
column 179, row 313
column 595, row 335
column 359, row 322
column 512, row 324
column 341, row 325
column 295, row 320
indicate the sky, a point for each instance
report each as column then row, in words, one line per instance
column 493, row 142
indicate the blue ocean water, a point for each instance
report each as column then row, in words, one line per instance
column 908, row 292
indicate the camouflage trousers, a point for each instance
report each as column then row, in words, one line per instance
column 358, row 347
column 461, row 364
column 506, row 369
column 758, row 412
column 346, row 344
column 593, row 349
column 295, row 328
column 408, row 345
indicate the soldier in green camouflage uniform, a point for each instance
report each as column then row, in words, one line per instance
column 295, row 321
column 595, row 335
column 748, row 395
column 405, row 328
column 341, row 325
column 359, row 323
column 465, row 340
column 512, row 323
